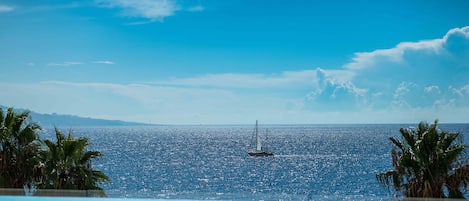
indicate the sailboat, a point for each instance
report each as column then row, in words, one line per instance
column 259, row 150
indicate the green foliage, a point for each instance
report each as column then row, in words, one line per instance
column 19, row 145
column 427, row 163
column 65, row 164
column 68, row 164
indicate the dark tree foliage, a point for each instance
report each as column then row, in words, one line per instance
column 19, row 148
column 427, row 162
column 25, row 159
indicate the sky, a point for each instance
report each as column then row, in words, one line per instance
column 237, row 61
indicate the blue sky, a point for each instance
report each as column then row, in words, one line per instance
column 235, row 61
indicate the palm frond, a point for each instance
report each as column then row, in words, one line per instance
column 428, row 159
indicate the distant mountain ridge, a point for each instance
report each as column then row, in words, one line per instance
column 61, row 120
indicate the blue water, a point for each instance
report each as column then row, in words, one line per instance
column 211, row 162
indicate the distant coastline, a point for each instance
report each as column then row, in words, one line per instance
column 63, row 120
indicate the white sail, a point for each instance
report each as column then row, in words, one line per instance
column 258, row 150
column 258, row 140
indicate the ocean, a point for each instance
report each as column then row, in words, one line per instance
column 311, row 162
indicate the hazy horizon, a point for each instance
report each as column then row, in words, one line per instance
column 114, row 121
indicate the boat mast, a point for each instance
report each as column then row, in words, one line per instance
column 258, row 140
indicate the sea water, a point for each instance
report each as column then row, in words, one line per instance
column 311, row 162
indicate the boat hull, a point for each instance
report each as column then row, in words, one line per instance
column 261, row 154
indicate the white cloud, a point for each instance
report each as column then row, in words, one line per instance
column 436, row 64
column 410, row 82
column 393, row 55
column 428, row 74
column 460, row 91
column 5, row 8
column 401, row 95
column 104, row 62
column 432, row 89
column 463, row 32
column 162, row 104
column 285, row 79
column 368, row 59
column 67, row 63
column 154, row 10
column 72, row 63
column 403, row 89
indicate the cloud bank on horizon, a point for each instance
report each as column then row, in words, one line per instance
column 410, row 82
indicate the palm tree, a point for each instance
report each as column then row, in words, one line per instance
column 68, row 164
column 19, row 148
column 427, row 163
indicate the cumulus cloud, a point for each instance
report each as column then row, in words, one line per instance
column 154, row 10
column 397, row 54
column 429, row 76
column 335, row 91
column 5, row 8
column 427, row 62
column 449, row 49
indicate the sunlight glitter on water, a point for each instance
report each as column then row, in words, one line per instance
column 211, row 162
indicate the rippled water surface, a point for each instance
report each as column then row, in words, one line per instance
column 211, row 162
